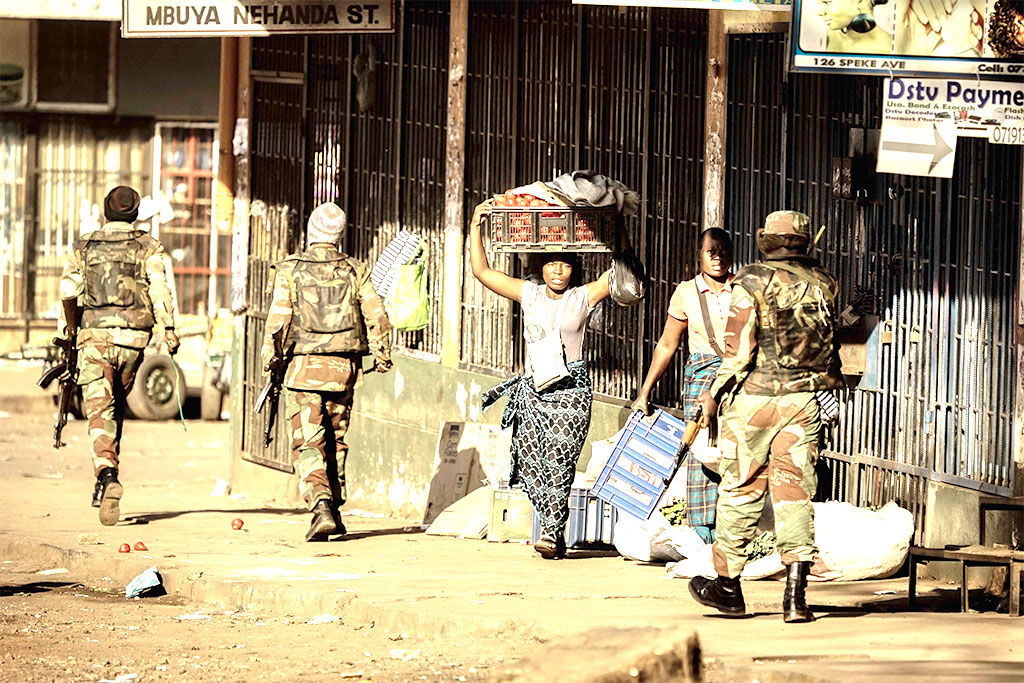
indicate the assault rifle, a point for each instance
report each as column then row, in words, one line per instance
column 66, row 370
column 272, row 390
column 689, row 436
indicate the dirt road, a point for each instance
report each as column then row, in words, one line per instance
column 57, row 627
column 468, row 609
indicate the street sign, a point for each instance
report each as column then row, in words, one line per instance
column 206, row 18
column 975, row 107
column 917, row 148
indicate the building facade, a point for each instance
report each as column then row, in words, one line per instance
column 83, row 110
column 694, row 109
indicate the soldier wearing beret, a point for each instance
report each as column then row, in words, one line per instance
column 119, row 277
column 780, row 349
column 332, row 317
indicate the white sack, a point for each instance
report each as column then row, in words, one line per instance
column 857, row 543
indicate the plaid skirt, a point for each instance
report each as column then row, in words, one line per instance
column 701, row 491
column 549, row 430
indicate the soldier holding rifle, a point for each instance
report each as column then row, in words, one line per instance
column 324, row 317
column 116, row 283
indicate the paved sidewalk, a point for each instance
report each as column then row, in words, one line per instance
column 388, row 573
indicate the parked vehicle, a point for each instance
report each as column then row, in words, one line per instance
column 203, row 371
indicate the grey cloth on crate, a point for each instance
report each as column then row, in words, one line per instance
column 587, row 188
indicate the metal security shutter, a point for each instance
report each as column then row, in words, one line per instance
column 377, row 142
column 277, row 168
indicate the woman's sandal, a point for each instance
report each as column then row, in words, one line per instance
column 550, row 548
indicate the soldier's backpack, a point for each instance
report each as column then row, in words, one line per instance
column 800, row 314
column 116, row 287
column 326, row 301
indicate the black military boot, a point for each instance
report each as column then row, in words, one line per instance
column 107, row 496
column 323, row 524
column 722, row 593
column 97, row 493
column 794, row 601
column 336, row 516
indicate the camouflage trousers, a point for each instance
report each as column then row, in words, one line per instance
column 319, row 421
column 769, row 445
column 106, row 373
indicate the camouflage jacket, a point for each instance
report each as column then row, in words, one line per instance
column 330, row 313
column 780, row 337
column 120, row 276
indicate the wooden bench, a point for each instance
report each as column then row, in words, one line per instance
column 971, row 556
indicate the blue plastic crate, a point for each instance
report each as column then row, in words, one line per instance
column 591, row 521
column 642, row 464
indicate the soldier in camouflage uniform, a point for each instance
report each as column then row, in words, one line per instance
column 779, row 350
column 119, row 277
column 332, row 317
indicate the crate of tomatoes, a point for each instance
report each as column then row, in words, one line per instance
column 523, row 222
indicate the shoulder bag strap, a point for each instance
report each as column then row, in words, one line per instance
column 707, row 320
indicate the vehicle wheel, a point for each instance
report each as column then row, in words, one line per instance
column 78, row 405
column 210, row 400
column 153, row 397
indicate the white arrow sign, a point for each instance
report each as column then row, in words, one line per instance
column 924, row 148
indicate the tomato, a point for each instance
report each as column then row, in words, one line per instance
column 125, row 548
column 538, row 202
column 140, row 546
column 237, row 524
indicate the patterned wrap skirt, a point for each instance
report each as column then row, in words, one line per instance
column 701, row 491
column 549, row 429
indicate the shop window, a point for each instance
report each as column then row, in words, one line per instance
column 199, row 253
column 75, row 64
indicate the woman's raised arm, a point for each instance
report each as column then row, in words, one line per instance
column 494, row 280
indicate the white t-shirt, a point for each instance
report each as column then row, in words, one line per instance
column 539, row 317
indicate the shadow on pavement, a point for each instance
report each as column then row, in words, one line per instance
column 147, row 517
column 588, row 554
column 35, row 587
column 397, row 531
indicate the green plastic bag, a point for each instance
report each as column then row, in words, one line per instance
column 408, row 304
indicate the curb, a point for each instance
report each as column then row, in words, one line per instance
column 276, row 598
column 614, row 655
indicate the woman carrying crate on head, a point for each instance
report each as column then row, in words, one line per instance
column 699, row 308
column 549, row 405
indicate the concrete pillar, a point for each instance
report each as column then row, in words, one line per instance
column 714, row 120
column 454, row 183
column 240, row 241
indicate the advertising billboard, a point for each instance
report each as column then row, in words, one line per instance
column 909, row 37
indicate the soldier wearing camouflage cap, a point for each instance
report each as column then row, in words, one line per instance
column 119, row 276
column 780, row 349
column 332, row 317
